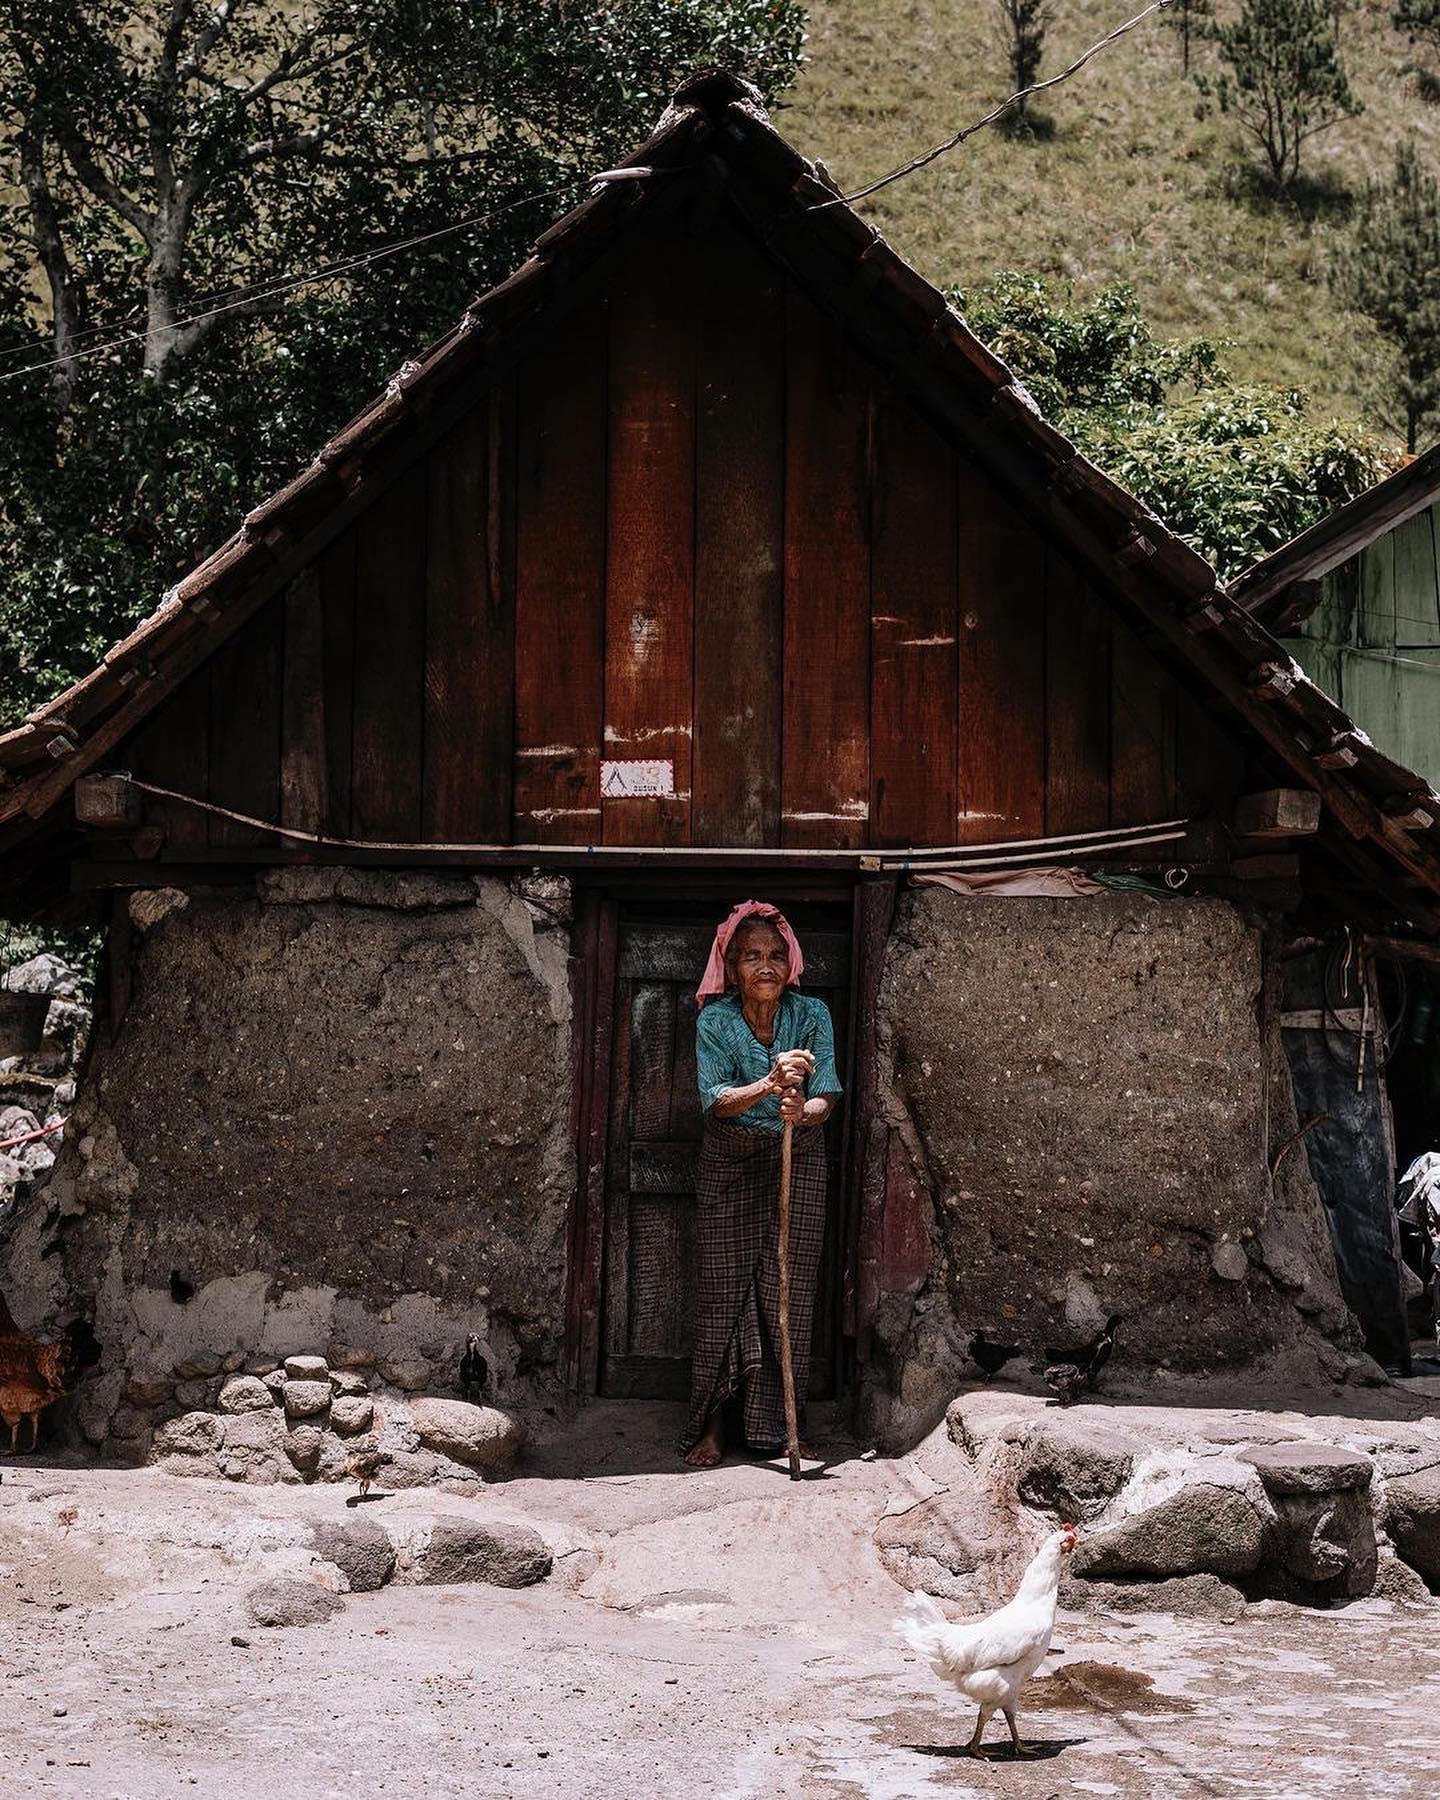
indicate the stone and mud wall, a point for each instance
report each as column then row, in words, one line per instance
column 1078, row 1101
column 336, row 1114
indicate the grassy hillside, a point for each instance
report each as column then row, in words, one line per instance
column 1132, row 186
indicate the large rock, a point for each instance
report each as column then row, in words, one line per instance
column 289, row 1602
column 243, row 1393
column 360, row 1549
column 307, row 1399
column 193, row 1434
column 303, row 1446
column 1204, row 1528
column 1073, row 1468
column 255, row 1449
column 482, row 1437
column 954, row 1545
column 1301, row 1467
column 1184, row 1596
column 509, row 1556
column 1327, row 1540
column 351, row 1413
column 1412, row 1517
column 306, row 1368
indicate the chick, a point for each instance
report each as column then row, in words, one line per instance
column 363, row 1465
column 1089, row 1358
column 992, row 1358
column 1066, row 1381
column 474, row 1370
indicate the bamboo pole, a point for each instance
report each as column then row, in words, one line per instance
column 782, row 1269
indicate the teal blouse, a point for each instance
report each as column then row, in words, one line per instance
column 729, row 1055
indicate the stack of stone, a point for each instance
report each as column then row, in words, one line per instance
column 38, row 1088
column 301, row 1420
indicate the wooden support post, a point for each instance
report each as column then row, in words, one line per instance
column 1278, row 813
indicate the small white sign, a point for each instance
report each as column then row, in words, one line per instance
column 636, row 780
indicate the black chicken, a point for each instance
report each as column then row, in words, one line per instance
column 1089, row 1358
column 474, row 1370
column 992, row 1358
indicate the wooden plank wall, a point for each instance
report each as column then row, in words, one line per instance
column 700, row 527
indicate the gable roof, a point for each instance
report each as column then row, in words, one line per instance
column 719, row 146
column 1271, row 590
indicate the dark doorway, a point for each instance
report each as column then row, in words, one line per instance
column 653, row 1133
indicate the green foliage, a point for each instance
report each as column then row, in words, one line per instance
column 1235, row 470
column 1282, row 80
column 161, row 154
column 1390, row 270
column 1420, row 21
column 1188, row 18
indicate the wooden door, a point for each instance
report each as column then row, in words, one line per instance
column 655, row 1129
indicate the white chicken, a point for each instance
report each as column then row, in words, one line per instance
column 991, row 1659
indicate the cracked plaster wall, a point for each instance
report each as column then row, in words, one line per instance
column 1088, row 1092
column 339, row 1108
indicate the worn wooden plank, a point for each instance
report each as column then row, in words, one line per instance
column 687, row 1116
column 172, row 749
column 1001, row 783
column 650, row 539
column 1142, row 733
column 663, row 1167
column 679, row 953
column 1278, row 813
column 390, row 663
column 302, row 708
column 335, row 572
column 245, row 727
column 662, row 1277
column 1376, row 619
column 470, row 630
column 739, row 548
column 825, row 786
column 1077, row 701
column 914, row 624
column 1417, row 591
column 560, row 586
column 652, row 1053
column 615, row 1319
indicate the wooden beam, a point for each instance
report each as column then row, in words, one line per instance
column 1278, row 813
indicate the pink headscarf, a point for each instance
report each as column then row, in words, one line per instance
column 712, row 983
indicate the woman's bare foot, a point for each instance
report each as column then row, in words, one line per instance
column 709, row 1453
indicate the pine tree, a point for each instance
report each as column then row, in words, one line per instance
column 1188, row 18
column 1023, row 24
column 1283, row 79
column 1420, row 21
column 1387, row 271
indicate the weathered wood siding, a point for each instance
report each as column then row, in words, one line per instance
column 703, row 527
column 1373, row 642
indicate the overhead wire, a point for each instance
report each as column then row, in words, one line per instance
column 280, row 286
column 996, row 112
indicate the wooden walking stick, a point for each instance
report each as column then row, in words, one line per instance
column 782, row 1269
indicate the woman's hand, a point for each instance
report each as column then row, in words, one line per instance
column 792, row 1067
column 792, row 1106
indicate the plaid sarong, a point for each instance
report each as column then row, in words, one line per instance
column 737, row 1293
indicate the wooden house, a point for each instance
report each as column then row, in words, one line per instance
column 1356, row 601
column 710, row 554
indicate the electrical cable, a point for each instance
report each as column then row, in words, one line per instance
column 997, row 112
column 282, row 285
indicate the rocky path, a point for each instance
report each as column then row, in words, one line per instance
column 724, row 1635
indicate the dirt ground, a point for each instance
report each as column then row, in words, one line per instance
column 724, row 1635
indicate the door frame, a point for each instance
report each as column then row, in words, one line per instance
column 593, row 987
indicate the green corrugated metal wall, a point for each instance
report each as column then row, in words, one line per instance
column 1373, row 642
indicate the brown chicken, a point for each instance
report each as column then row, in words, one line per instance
column 32, row 1376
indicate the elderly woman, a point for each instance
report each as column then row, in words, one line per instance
column 766, row 1054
